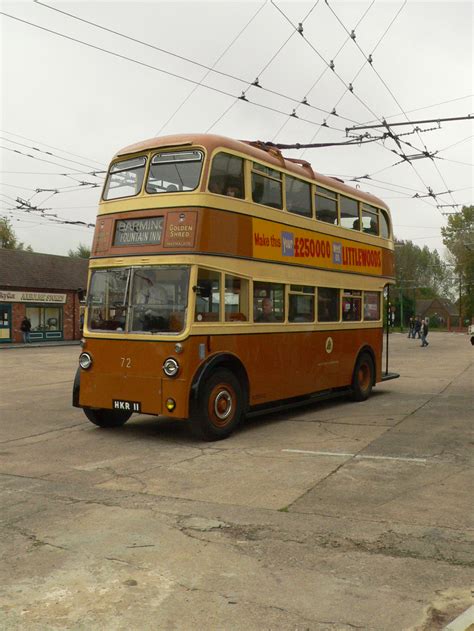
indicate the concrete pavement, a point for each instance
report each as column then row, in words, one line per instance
column 335, row 516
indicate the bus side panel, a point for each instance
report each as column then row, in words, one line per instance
column 281, row 366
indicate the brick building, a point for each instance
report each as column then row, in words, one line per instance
column 440, row 312
column 44, row 287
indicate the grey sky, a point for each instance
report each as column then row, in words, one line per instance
column 76, row 99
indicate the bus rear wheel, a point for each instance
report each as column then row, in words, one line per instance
column 363, row 378
column 219, row 407
column 107, row 418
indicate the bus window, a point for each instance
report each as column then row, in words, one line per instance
column 268, row 302
column 301, row 304
column 328, row 304
column 349, row 213
column 159, row 298
column 370, row 219
column 326, row 205
column 236, row 299
column 208, row 296
column 371, row 305
column 351, row 305
column 266, row 186
column 174, row 171
column 107, row 299
column 384, row 224
column 125, row 178
column 227, row 175
column 298, row 196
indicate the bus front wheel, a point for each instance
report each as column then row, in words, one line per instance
column 219, row 407
column 107, row 418
column 363, row 378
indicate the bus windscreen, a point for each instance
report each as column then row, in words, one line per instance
column 139, row 300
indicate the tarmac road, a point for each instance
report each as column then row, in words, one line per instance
column 334, row 516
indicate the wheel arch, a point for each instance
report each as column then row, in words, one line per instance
column 76, row 389
column 221, row 360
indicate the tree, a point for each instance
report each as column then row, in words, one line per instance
column 420, row 272
column 8, row 238
column 458, row 237
column 81, row 252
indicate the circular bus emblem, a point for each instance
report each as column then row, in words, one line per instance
column 329, row 345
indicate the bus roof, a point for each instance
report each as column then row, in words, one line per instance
column 254, row 149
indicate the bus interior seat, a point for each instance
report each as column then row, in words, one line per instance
column 236, row 317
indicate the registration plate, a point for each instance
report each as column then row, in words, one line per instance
column 126, row 406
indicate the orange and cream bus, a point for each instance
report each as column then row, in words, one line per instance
column 225, row 279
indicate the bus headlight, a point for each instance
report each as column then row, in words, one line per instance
column 170, row 367
column 85, row 361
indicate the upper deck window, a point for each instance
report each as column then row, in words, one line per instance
column 370, row 219
column 125, row 178
column 349, row 213
column 384, row 224
column 266, row 186
column 227, row 175
column 326, row 205
column 298, row 196
column 174, row 171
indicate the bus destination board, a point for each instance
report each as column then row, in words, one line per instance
column 148, row 230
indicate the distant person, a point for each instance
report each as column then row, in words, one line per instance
column 267, row 314
column 411, row 327
column 25, row 328
column 424, row 332
column 417, row 328
column 356, row 225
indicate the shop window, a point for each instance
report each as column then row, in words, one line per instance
column 227, row 175
column 298, row 196
column 301, row 304
column 44, row 319
column 208, row 296
column 351, row 305
column 371, row 305
column 236, row 299
column 268, row 302
column 328, row 304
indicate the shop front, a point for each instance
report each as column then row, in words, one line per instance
column 45, row 288
column 45, row 312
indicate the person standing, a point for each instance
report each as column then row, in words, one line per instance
column 25, row 328
column 417, row 327
column 411, row 326
column 424, row 332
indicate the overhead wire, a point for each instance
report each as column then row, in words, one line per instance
column 256, row 82
column 4, row 131
column 162, row 50
column 326, row 68
column 392, row 95
column 186, row 99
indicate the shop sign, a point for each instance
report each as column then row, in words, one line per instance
column 31, row 296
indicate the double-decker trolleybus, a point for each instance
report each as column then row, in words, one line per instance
column 225, row 278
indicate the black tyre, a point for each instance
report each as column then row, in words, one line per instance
column 220, row 407
column 363, row 378
column 107, row 418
